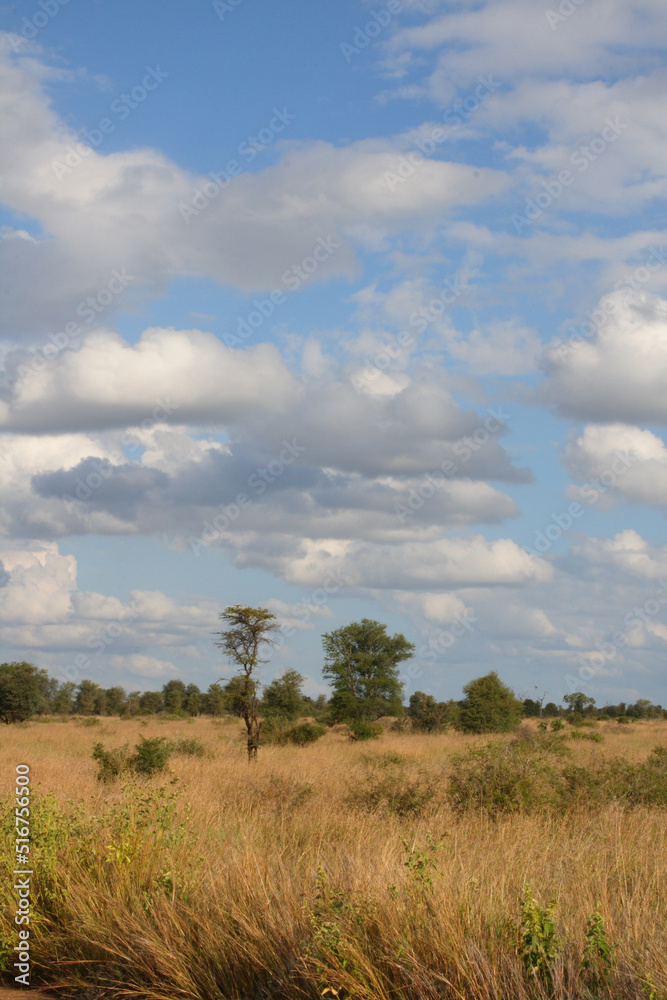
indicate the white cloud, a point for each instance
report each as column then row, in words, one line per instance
column 628, row 463
column 125, row 210
column 619, row 373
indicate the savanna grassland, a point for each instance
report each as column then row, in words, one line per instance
column 349, row 869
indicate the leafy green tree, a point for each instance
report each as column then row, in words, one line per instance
column 192, row 702
column 215, row 700
column 531, row 708
column 579, row 702
column 63, row 700
column 23, row 691
column 426, row 714
column 249, row 630
column 132, row 705
column 87, row 698
column 551, row 710
column 115, row 700
column 151, row 702
column 173, row 695
column 489, row 706
column 236, row 692
column 361, row 661
column 283, row 695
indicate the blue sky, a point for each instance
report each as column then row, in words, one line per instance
column 379, row 287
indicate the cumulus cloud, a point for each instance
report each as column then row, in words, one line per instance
column 619, row 372
column 628, row 463
column 132, row 213
column 74, row 631
column 628, row 552
column 447, row 563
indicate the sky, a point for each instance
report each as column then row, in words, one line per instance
column 344, row 310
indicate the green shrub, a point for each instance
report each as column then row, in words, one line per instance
column 189, row 746
column 151, row 755
column 302, row 733
column 362, row 729
column 599, row 959
column 578, row 734
column 519, row 776
column 280, row 731
column 489, row 706
column 538, row 939
column 618, row 780
column 398, row 794
column 112, row 763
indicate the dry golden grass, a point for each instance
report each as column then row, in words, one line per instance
column 231, row 905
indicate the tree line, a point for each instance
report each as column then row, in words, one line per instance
column 361, row 663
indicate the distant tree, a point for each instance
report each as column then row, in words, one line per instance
column 531, row 708
column 579, row 702
column 361, row 661
column 87, row 698
column 215, row 700
column 100, row 704
column 283, row 695
column 426, row 714
column 151, row 702
column 63, row 700
column 236, row 692
column 192, row 701
column 116, row 700
column 23, row 691
column 249, row 630
column 551, row 710
column 132, row 704
column 173, row 695
column 489, row 706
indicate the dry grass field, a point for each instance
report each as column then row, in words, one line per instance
column 301, row 876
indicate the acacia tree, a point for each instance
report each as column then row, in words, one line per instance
column 361, row 661
column 249, row 630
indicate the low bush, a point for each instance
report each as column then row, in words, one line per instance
column 280, row 731
column 111, row 763
column 189, row 746
column 388, row 788
column 519, row 776
column 578, row 734
column 362, row 729
column 150, row 757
